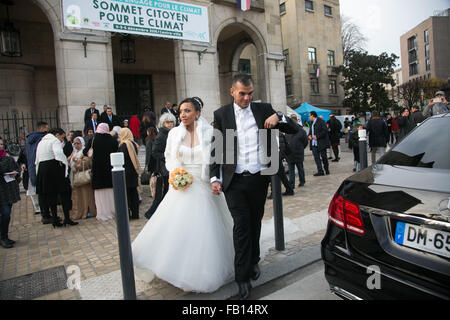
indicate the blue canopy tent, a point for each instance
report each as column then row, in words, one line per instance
column 306, row 108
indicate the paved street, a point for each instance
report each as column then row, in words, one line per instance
column 92, row 245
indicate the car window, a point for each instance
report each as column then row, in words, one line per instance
column 427, row 146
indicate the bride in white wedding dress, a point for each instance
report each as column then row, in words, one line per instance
column 188, row 241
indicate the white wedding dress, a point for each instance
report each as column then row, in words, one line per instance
column 188, row 241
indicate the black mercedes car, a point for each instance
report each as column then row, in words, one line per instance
column 388, row 235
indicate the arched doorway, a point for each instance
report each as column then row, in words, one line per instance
column 241, row 50
column 28, row 83
column 147, row 82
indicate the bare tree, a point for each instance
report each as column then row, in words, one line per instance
column 352, row 38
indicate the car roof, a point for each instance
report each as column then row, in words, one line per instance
column 442, row 115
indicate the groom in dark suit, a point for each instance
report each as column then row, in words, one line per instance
column 241, row 172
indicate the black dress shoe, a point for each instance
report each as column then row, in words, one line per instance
column 256, row 272
column 5, row 244
column 244, row 290
column 287, row 193
column 10, row 241
column 318, row 174
column 301, row 184
column 327, row 172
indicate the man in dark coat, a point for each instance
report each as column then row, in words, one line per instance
column 110, row 119
column 88, row 113
column 297, row 143
column 91, row 124
column 378, row 134
column 416, row 115
column 319, row 142
column 335, row 127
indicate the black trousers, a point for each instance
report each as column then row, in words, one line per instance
column 246, row 197
column 283, row 177
column 133, row 202
column 320, row 154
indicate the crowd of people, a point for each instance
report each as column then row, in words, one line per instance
column 73, row 171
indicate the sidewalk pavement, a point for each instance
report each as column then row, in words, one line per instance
column 92, row 245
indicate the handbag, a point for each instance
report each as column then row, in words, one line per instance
column 145, row 178
column 82, row 177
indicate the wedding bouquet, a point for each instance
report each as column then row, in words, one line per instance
column 180, row 179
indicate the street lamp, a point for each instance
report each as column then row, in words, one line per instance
column 127, row 50
column 9, row 36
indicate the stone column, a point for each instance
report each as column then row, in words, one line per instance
column 276, row 92
column 196, row 74
column 84, row 75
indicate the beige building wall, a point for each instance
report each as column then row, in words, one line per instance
column 301, row 29
column 439, row 44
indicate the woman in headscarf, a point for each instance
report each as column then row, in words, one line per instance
column 129, row 148
column 83, row 202
column 53, row 184
column 103, row 145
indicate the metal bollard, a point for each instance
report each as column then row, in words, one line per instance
column 278, row 213
column 362, row 149
column 123, row 228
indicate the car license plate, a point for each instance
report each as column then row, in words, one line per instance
column 425, row 239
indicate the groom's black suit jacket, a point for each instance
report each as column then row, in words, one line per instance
column 224, row 118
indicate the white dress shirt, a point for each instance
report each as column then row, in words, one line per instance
column 247, row 132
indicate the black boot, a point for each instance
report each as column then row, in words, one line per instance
column 67, row 219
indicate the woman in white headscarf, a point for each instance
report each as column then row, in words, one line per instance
column 83, row 201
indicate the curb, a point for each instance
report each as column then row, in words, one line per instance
column 269, row 272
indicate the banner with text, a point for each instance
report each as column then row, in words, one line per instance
column 166, row 19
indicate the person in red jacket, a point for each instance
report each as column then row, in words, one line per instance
column 394, row 127
column 135, row 125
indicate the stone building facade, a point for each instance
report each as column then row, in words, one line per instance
column 68, row 69
column 312, row 44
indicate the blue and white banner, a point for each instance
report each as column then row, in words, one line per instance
column 165, row 19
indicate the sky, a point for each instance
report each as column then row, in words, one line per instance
column 384, row 21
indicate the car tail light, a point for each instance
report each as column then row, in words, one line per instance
column 346, row 214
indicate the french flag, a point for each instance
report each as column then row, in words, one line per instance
column 244, row 5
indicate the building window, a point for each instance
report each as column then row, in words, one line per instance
column 244, row 66
column 413, row 69
column 427, row 50
column 427, row 64
column 309, row 5
column 331, row 60
column 426, row 36
column 314, row 86
column 412, row 55
column 286, row 58
column 333, row 87
column 283, row 8
column 288, row 86
column 412, row 43
column 312, row 57
column 328, row 11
